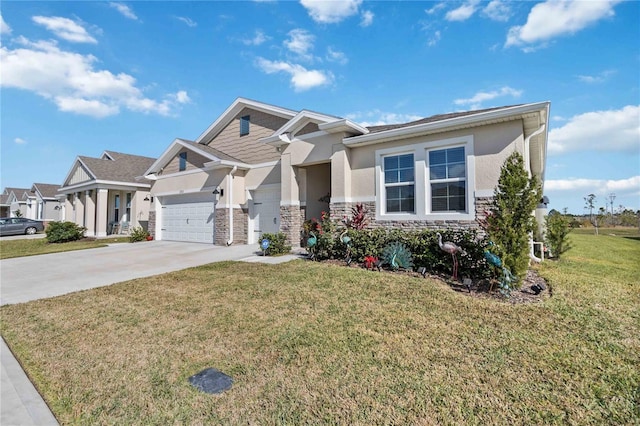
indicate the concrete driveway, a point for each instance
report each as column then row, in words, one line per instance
column 36, row 277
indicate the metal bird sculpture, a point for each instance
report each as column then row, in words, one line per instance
column 452, row 249
column 311, row 243
column 507, row 276
column 397, row 256
column 346, row 240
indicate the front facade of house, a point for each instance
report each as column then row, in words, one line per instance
column 106, row 195
column 14, row 200
column 260, row 168
column 45, row 203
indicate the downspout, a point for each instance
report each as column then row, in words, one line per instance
column 230, row 203
column 527, row 142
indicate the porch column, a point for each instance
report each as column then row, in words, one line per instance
column 101, row 208
column 79, row 209
column 290, row 216
column 90, row 214
column 67, row 214
column 340, row 204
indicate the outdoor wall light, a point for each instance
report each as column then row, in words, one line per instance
column 146, row 198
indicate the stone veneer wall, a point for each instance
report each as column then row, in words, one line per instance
column 291, row 220
column 483, row 204
column 152, row 224
column 240, row 218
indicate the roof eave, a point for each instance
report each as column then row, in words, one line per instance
column 448, row 124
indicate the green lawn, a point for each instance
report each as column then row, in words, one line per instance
column 311, row 343
column 32, row 247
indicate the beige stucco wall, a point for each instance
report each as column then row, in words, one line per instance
column 180, row 183
column 263, row 176
column 318, row 184
column 492, row 144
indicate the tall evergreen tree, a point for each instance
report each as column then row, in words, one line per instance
column 511, row 220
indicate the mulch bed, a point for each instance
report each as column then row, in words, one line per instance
column 484, row 288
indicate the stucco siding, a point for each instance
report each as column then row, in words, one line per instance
column 247, row 148
column 263, row 176
column 190, row 182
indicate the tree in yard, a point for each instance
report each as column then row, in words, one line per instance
column 557, row 233
column 17, row 213
column 590, row 203
column 511, row 221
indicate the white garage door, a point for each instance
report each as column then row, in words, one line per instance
column 188, row 218
column 266, row 212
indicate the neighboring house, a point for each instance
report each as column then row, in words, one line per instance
column 107, row 194
column 5, row 204
column 15, row 199
column 47, row 206
column 261, row 168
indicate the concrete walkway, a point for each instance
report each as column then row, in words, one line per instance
column 20, row 403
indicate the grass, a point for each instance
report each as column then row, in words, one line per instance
column 32, row 247
column 310, row 343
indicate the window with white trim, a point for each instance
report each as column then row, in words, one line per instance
column 399, row 183
column 428, row 180
column 448, row 180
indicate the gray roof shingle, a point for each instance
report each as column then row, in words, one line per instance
column 47, row 190
column 123, row 167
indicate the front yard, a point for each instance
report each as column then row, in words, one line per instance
column 32, row 247
column 311, row 343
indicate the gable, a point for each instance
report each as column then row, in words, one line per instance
column 309, row 128
column 194, row 161
column 248, row 148
column 78, row 175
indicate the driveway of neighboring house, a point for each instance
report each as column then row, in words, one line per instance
column 67, row 272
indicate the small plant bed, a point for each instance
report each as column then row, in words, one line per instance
column 533, row 289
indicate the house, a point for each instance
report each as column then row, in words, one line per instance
column 14, row 200
column 46, row 205
column 107, row 194
column 262, row 168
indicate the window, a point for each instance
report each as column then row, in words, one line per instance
column 183, row 162
column 244, row 125
column 116, row 215
column 399, row 183
column 447, row 176
column 128, row 206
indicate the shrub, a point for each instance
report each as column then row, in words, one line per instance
column 557, row 234
column 277, row 244
column 62, row 232
column 511, row 222
column 138, row 234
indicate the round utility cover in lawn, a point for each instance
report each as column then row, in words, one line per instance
column 211, row 381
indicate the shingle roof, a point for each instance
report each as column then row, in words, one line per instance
column 123, row 167
column 47, row 190
column 432, row 119
column 215, row 152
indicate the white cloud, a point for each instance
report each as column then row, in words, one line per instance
column 300, row 41
column 187, row 21
column 20, row 141
column 336, row 56
column 65, row 28
column 463, row 12
column 555, row 18
column 301, row 78
column 4, row 27
column 258, row 38
column 124, row 10
column 377, row 117
column 599, row 78
column 599, row 187
column 70, row 81
column 331, row 12
column 497, row 10
column 181, row 97
column 434, row 39
column 612, row 130
column 367, row 18
column 476, row 100
column 436, row 8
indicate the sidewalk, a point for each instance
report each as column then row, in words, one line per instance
column 20, row 402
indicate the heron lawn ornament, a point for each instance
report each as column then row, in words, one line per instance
column 346, row 240
column 507, row 277
column 312, row 240
column 398, row 256
column 452, row 249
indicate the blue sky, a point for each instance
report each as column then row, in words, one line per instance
column 78, row 78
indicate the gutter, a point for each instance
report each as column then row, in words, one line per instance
column 230, row 203
column 527, row 146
